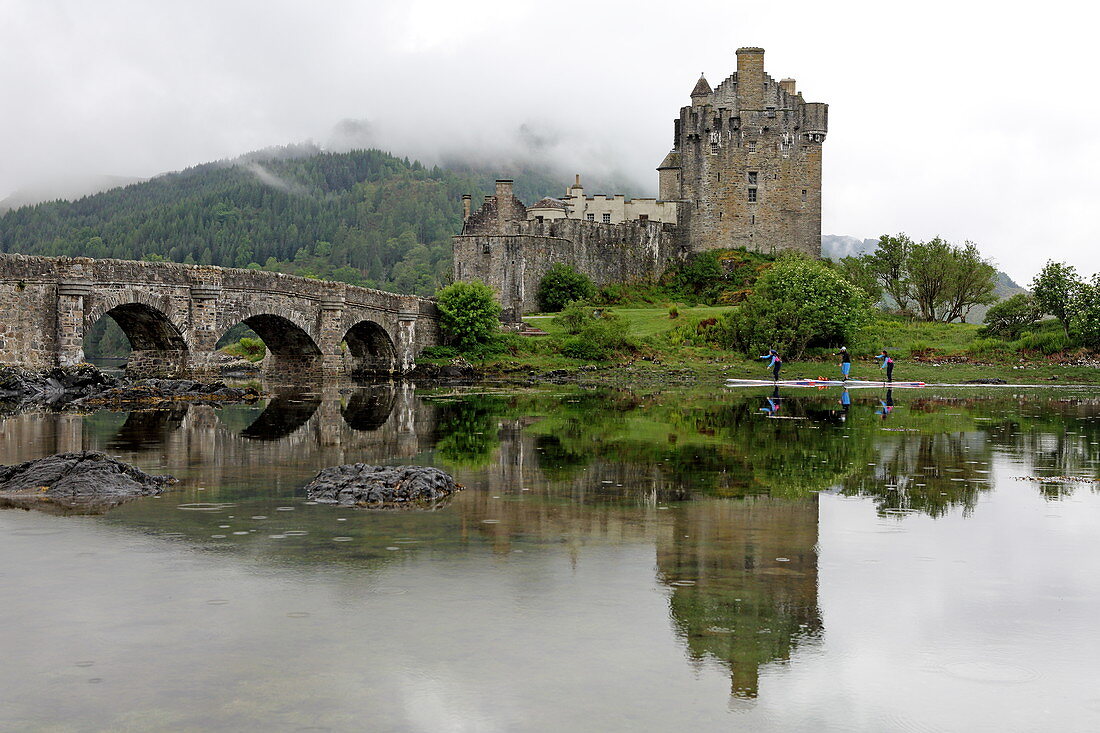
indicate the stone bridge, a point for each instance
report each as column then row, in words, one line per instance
column 174, row 315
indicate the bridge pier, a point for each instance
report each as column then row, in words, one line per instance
column 70, row 320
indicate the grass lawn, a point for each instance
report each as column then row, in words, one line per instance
column 642, row 322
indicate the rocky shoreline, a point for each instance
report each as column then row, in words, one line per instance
column 84, row 385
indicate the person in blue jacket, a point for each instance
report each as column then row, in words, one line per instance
column 774, row 364
column 887, row 364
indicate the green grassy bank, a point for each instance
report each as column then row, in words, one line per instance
column 928, row 352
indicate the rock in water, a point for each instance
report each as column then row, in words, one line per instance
column 360, row 484
column 77, row 476
column 59, row 384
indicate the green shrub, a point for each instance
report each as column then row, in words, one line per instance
column 252, row 349
column 989, row 347
column 673, row 312
column 1045, row 342
column 469, row 313
column 1011, row 317
column 439, row 352
column 797, row 303
column 562, row 285
column 576, row 316
column 595, row 335
column 700, row 278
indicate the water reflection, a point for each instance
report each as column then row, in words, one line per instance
column 725, row 491
column 743, row 577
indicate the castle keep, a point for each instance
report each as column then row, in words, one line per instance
column 744, row 171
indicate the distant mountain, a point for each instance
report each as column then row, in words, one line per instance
column 69, row 189
column 839, row 246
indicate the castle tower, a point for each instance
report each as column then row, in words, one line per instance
column 746, row 163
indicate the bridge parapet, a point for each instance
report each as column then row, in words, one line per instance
column 174, row 314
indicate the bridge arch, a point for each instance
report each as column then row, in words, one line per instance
column 371, row 350
column 291, row 350
column 158, row 346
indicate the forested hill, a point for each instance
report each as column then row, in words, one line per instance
column 365, row 217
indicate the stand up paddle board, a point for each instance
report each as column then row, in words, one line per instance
column 858, row 383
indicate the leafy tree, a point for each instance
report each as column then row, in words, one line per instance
column 469, row 313
column 1010, row 317
column 860, row 272
column 1085, row 306
column 890, row 265
column 1056, row 289
column 798, row 303
column 947, row 280
column 562, row 285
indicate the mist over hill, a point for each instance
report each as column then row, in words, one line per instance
column 365, row 217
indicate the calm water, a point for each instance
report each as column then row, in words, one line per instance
column 724, row 561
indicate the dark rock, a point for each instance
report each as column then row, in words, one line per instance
column 75, row 478
column 443, row 371
column 989, row 380
column 52, row 386
column 148, row 391
column 360, row 484
column 84, row 384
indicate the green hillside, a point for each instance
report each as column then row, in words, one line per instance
column 364, row 217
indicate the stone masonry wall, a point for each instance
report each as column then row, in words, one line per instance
column 513, row 264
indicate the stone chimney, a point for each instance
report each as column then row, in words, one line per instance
column 467, row 203
column 505, row 211
column 788, row 86
column 750, row 78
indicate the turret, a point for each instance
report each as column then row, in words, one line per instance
column 702, row 92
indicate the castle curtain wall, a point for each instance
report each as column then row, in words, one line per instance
column 513, row 264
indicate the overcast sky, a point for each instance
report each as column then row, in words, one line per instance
column 968, row 120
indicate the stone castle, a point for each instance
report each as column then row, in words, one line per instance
column 744, row 171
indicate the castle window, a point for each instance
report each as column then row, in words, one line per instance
column 752, row 195
column 539, row 220
column 752, row 178
column 607, row 218
column 590, row 217
column 643, row 217
column 752, row 219
column 751, row 145
column 803, row 194
column 771, row 111
column 485, row 248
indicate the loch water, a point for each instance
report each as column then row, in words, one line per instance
column 758, row 560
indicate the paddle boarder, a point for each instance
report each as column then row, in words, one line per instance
column 845, row 362
column 774, row 364
column 887, row 364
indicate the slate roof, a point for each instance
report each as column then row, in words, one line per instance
column 701, row 87
column 548, row 203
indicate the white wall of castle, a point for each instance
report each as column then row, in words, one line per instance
column 606, row 209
